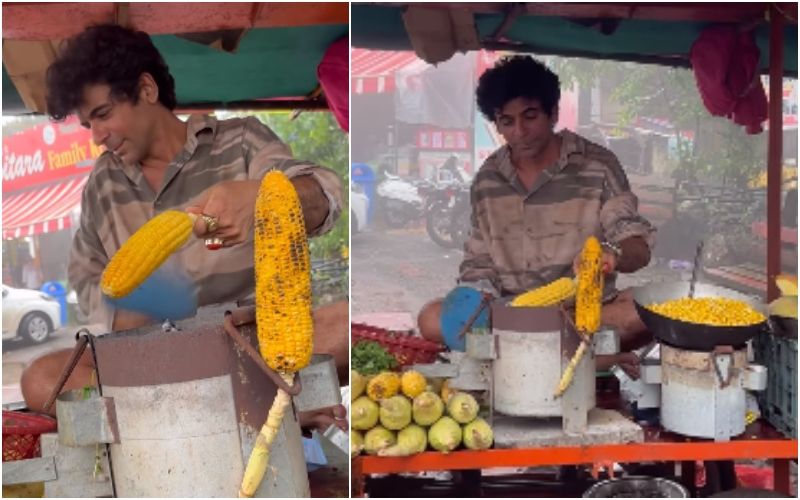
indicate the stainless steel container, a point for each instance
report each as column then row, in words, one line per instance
column 637, row 487
column 534, row 346
column 189, row 405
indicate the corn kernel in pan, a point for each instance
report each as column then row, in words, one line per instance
column 712, row 311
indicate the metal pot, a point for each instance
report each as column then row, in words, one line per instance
column 637, row 487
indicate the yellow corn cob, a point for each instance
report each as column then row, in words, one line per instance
column 569, row 372
column 412, row 383
column 283, row 276
column 283, row 304
column 547, row 295
column 383, row 386
column 588, row 303
column 447, row 391
column 145, row 251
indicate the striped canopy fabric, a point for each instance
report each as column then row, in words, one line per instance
column 42, row 209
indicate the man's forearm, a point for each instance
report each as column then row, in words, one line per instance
column 635, row 254
column 313, row 200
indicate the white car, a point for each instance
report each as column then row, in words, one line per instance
column 29, row 314
column 359, row 208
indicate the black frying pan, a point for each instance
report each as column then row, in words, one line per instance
column 693, row 336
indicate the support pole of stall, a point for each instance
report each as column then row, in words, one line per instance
column 774, row 166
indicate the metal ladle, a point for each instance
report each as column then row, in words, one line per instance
column 695, row 268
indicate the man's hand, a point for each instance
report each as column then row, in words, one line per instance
column 608, row 262
column 629, row 362
column 232, row 205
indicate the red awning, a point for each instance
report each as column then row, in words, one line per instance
column 44, row 209
column 373, row 71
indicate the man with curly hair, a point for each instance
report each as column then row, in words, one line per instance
column 119, row 86
column 536, row 200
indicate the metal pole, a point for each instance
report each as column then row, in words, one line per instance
column 774, row 167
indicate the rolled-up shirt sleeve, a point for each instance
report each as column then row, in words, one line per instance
column 619, row 214
column 264, row 151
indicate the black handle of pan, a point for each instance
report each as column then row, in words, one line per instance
column 695, row 268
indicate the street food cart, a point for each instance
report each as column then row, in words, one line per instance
column 179, row 405
column 697, row 424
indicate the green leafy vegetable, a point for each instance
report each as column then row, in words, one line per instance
column 370, row 358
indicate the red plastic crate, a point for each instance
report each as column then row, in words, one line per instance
column 21, row 431
column 407, row 348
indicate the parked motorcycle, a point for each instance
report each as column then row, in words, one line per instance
column 447, row 214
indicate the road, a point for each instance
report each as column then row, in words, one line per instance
column 400, row 270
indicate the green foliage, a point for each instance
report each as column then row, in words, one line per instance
column 720, row 150
column 316, row 137
column 370, row 358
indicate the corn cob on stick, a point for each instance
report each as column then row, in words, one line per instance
column 588, row 306
column 145, row 251
column 548, row 295
column 569, row 372
column 283, row 304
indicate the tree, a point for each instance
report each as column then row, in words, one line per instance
column 719, row 149
column 714, row 163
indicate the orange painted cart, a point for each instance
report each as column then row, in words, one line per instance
column 760, row 441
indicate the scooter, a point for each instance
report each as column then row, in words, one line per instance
column 400, row 201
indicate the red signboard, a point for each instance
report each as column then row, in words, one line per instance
column 47, row 152
column 443, row 139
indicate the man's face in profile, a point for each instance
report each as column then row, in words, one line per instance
column 116, row 124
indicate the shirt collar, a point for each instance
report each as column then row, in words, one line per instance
column 197, row 127
column 570, row 144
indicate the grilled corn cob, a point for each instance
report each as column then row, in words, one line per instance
column 384, row 385
column 283, row 304
column 547, row 295
column 588, row 305
column 412, row 383
column 145, row 251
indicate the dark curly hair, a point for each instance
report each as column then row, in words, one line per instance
column 106, row 54
column 517, row 76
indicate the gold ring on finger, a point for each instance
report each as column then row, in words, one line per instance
column 212, row 224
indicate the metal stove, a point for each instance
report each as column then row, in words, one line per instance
column 697, row 375
column 519, row 363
